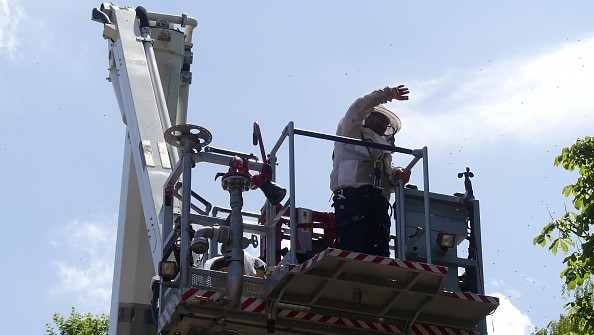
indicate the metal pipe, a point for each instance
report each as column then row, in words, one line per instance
column 158, row 88
column 189, row 23
column 210, row 221
column 426, row 203
column 217, row 209
column 206, row 232
column 213, row 250
column 270, row 224
column 185, row 213
column 216, row 234
column 401, row 224
column 412, row 321
column 350, row 140
column 293, row 209
column 231, row 153
column 214, row 158
column 412, row 163
column 476, row 232
column 342, row 139
column 234, row 255
column 182, row 100
column 279, row 142
column 292, row 307
column 167, row 225
column 183, row 20
column 185, row 80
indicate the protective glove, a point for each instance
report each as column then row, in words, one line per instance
column 400, row 174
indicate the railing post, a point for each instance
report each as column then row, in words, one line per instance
column 185, row 213
column 400, row 224
column 293, row 209
column 426, row 203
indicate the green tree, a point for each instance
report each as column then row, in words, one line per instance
column 78, row 324
column 564, row 326
column 572, row 229
column 570, row 324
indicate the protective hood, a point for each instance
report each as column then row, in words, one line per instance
column 394, row 120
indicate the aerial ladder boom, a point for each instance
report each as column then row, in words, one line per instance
column 135, row 75
column 169, row 277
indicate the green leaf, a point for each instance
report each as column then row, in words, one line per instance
column 577, row 203
column 554, row 246
column 567, row 190
column 540, row 240
column 564, row 246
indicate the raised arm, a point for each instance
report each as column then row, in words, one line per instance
column 363, row 106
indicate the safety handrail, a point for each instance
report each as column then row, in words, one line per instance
column 290, row 131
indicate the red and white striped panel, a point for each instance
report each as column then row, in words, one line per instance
column 417, row 329
column 255, row 305
column 195, row 292
column 420, row 329
column 248, row 304
column 338, row 321
column 168, row 310
column 372, row 259
column 475, row 297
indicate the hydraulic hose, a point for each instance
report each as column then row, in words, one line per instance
column 142, row 15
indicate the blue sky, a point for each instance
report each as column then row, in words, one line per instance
column 500, row 87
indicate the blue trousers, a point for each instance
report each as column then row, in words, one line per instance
column 363, row 224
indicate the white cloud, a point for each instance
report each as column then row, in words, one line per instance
column 88, row 269
column 91, row 283
column 537, row 99
column 508, row 319
column 11, row 16
column 509, row 292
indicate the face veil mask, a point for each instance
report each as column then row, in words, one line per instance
column 389, row 134
column 393, row 126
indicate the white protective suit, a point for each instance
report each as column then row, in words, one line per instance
column 353, row 165
column 250, row 264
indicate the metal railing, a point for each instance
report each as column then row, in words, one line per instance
column 290, row 131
